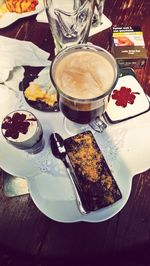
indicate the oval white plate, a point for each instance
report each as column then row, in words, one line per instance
column 8, row 18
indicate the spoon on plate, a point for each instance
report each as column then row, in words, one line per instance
column 59, row 151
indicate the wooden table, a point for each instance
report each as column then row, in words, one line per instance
column 27, row 236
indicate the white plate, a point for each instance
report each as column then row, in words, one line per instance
column 8, row 18
column 123, row 149
column 126, row 148
column 51, row 190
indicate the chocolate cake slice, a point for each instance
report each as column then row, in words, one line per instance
column 92, row 171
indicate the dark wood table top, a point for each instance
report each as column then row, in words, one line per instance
column 26, row 235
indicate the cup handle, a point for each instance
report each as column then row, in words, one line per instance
column 98, row 125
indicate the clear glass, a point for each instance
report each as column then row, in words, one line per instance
column 84, row 110
column 98, row 12
column 69, row 21
column 23, row 130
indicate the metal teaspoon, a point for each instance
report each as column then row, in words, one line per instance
column 59, row 151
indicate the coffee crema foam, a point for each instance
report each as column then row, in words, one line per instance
column 84, row 74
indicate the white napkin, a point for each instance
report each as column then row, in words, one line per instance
column 15, row 76
column 15, row 53
column 106, row 23
column 8, row 101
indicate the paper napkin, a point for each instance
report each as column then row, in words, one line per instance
column 15, row 53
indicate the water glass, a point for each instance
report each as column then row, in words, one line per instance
column 69, row 21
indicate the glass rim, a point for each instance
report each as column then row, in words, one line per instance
column 19, row 110
column 87, row 47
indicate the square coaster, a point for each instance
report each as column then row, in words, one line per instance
column 127, row 99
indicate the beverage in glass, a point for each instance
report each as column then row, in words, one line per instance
column 84, row 76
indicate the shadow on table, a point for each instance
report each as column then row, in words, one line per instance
column 136, row 256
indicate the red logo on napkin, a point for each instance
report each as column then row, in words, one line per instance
column 124, row 96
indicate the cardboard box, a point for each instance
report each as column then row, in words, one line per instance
column 128, row 46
